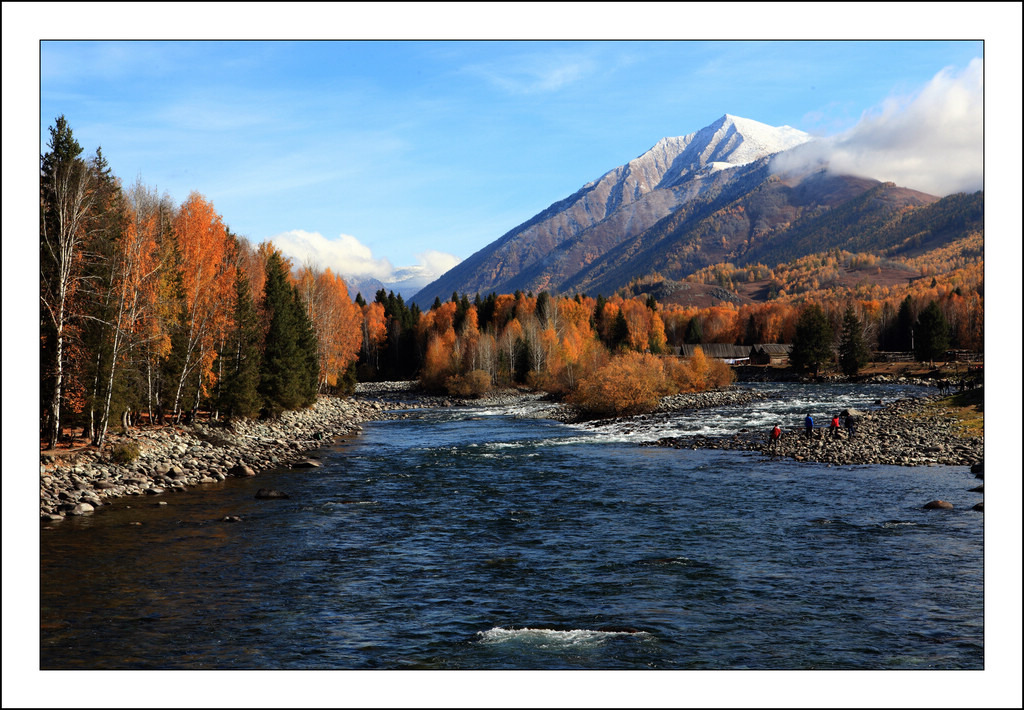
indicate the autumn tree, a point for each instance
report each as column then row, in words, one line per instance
column 700, row 373
column 128, row 243
column 337, row 322
column 631, row 383
column 375, row 335
column 206, row 287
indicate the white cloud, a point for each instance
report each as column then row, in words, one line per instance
column 347, row 256
column 932, row 141
column 437, row 262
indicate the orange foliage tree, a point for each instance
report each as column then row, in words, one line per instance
column 207, row 280
column 337, row 322
column 631, row 383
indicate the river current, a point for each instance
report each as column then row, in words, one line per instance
column 494, row 538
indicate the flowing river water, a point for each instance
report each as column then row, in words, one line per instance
column 494, row 538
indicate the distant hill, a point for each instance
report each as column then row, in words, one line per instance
column 706, row 198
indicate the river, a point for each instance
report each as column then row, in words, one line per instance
column 493, row 538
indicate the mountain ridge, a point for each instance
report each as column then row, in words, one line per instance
column 686, row 203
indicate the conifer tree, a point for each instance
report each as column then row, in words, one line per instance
column 812, row 343
column 620, row 332
column 931, row 333
column 239, row 394
column 902, row 337
column 694, row 332
column 288, row 375
column 64, row 203
column 853, row 350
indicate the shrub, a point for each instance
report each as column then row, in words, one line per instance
column 700, row 373
column 125, row 453
column 631, row 383
column 473, row 384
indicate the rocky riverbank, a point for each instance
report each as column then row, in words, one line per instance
column 181, row 456
column 160, row 459
column 902, row 433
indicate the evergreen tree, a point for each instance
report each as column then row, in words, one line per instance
column 694, row 332
column 288, row 379
column 620, row 332
column 597, row 319
column 308, row 353
column 64, row 202
column 853, row 350
column 931, row 333
column 902, row 336
column 812, row 342
column 543, row 304
column 240, row 395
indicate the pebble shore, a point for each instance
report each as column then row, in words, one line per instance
column 181, row 456
column 899, row 434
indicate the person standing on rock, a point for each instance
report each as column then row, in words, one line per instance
column 851, row 425
column 775, row 437
column 834, row 427
column 809, row 426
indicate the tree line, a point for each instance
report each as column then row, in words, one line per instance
column 151, row 311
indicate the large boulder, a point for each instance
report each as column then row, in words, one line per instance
column 81, row 509
column 241, row 471
column 938, row 505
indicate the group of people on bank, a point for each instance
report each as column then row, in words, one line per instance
column 834, row 427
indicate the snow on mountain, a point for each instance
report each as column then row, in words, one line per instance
column 613, row 208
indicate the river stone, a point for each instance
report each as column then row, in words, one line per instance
column 938, row 505
column 307, row 463
column 241, row 470
column 81, row 509
column 269, row 494
column 980, row 507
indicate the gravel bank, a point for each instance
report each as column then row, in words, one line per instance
column 898, row 434
column 182, row 456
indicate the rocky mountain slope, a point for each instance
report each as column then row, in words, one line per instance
column 705, row 198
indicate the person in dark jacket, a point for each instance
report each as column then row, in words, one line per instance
column 851, row 425
column 809, row 426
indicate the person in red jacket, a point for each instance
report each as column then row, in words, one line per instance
column 834, row 426
column 776, row 435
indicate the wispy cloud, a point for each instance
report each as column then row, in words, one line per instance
column 931, row 141
column 534, row 73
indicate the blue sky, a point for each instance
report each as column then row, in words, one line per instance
column 377, row 155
